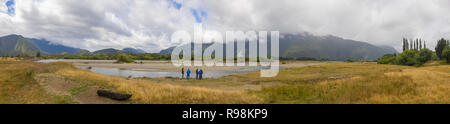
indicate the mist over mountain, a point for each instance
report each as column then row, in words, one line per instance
column 329, row 47
column 51, row 49
column 322, row 47
column 13, row 45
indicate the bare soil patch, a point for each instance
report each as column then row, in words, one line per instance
column 82, row 93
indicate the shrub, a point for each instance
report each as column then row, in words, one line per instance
column 124, row 58
column 425, row 55
column 350, row 60
column 442, row 43
column 435, row 57
column 446, row 54
column 387, row 59
column 408, row 57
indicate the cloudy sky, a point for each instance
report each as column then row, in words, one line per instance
column 148, row 24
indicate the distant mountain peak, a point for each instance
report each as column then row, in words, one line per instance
column 133, row 51
column 13, row 35
column 13, row 45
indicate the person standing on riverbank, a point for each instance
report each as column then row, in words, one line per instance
column 200, row 73
column 196, row 74
column 182, row 73
column 188, row 72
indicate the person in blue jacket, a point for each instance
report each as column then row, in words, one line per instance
column 188, row 72
column 200, row 73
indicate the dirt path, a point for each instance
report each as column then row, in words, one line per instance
column 79, row 92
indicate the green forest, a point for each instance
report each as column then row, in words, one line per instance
column 415, row 53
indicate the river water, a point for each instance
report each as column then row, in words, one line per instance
column 149, row 73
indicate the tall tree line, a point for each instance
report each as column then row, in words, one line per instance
column 416, row 44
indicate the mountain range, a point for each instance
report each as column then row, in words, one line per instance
column 330, row 47
column 13, row 45
column 322, row 47
column 291, row 46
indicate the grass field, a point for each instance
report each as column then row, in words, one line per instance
column 24, row 81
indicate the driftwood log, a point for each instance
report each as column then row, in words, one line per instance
column 113, row 95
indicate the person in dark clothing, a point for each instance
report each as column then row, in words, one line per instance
column 182, row 73
column 196, row 74
column 200, row 73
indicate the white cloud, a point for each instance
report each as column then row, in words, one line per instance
column 382, row 22
column 3, row 7
column 147, row 24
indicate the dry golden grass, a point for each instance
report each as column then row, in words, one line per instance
column 17, row 85
column 329, row 83
column 149, row 92
column 432, row 84
column 290, row 76
column 322, row 72
column 8, row 59
column 410, row 85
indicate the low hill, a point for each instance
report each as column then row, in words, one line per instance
column 83, row 52
column 108, row 51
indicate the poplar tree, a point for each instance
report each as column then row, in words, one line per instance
column 420, row 44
